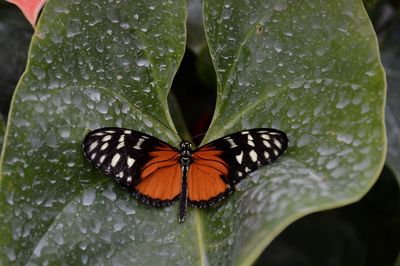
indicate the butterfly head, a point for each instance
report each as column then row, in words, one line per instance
column 186, row 153
column 186, row 146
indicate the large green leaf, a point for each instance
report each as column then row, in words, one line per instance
column 312, row 71
column 91, row 64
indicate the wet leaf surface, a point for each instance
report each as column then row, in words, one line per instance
column 313, row 71
column 110, row 65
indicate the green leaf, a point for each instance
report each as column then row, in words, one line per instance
column 312, row 71
column 91, row 64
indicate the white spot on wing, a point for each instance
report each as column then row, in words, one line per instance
column 277, row 143
column 266, row 155
column 106, row 138
column 99, row 134
column 104, row 146
column 249, row 137
column 110, row 131
column 253, row 155
column 137, row 146
column 130, row 162
column 129, row 179
column 251, row 143
column 122, row 138
column 266, row 144
column 102, row 158
column 274, row 133
column 93, row 156
column 121, row 174
column 127, row 132
column 239, row 157
column 115, row 159
column 265, row 136
column 232, row 143
column 245, row 132
column 276, row 152
column 93, row 145
column 120, row 145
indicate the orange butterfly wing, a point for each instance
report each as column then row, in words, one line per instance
column 207, row 178
column 161, row 177
column 146, row 166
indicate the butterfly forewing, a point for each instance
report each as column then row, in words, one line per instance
column 138, row 161
column 245, row 151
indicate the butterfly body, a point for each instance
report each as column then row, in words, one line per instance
column 184, row 160
column 159, row 174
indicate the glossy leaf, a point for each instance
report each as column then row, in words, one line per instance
column 90, row 65
column 311, row 69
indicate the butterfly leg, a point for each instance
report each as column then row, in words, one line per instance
column 184, row 195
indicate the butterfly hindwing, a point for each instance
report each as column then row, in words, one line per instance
column 207, row 177
column 137, row 161
column 224, row 162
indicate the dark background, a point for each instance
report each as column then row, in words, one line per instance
column 363, row 233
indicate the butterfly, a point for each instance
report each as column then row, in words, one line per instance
column 158, row 174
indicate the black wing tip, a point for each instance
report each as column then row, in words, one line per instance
column 89, row 137
column 282, row 133
column 253, row 130
column 285, row 140
column 94, row 131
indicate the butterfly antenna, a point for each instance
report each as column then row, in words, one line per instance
column 155, row 118
column 199, row 135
